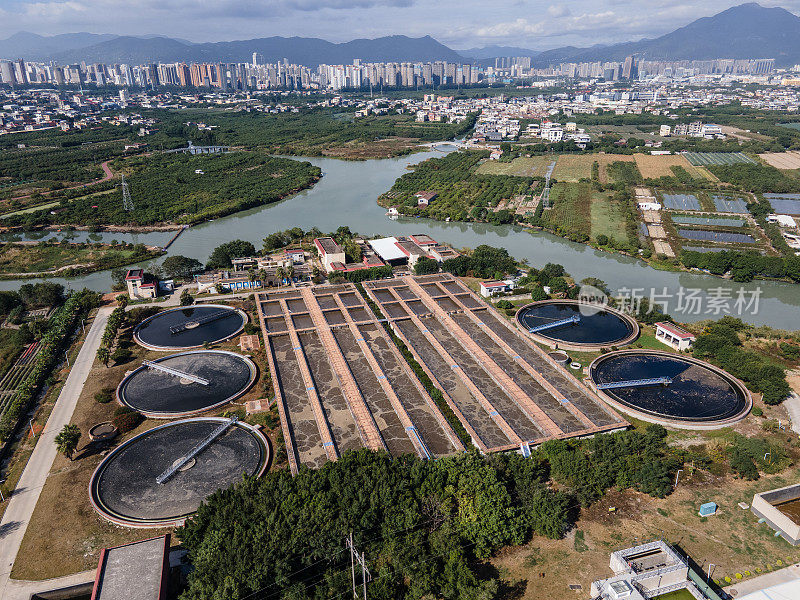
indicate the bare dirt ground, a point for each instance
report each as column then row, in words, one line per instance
column 733, row 540
column 782, row 160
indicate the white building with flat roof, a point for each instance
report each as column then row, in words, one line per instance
column 673, row 336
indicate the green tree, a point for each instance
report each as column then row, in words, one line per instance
column 426, row 266
column 103, row 355
column 186, row 298
column 67, row 440
column 181, row 267
column 221, row 255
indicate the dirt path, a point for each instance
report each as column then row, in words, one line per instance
column 108, row 174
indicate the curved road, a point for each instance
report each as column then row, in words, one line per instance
column 20, row 507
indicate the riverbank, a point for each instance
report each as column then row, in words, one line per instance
column 26, row 260
column 346, row 196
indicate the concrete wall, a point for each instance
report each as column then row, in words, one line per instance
column 763, row 507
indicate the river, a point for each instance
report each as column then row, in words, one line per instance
column 346, row 196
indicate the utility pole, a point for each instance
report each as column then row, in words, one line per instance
column 127, row 201
column 355, row 557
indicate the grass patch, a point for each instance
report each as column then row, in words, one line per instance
column 18, row 258
column 607, row 217
column 570, row 214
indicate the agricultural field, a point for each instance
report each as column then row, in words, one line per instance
column 717, row 158
column 571, row 209
column 782, row 160
column 607, row 217
column 645, row 132
column 178, row 188
column 655, row 166
column 574, row 167
column 533, row 166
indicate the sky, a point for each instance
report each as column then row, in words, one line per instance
column 461, row 24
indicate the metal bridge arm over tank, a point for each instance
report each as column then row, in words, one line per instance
column 634, row 383
column 196, row 450
column 175, row 372
column 573, row 320
column 201, row 321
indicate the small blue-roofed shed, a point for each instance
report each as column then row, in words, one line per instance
column 708, row 509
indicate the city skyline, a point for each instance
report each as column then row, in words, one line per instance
column 533, row 24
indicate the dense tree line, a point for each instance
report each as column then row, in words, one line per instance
column 424, row 525
column 484, row 261
column 756, row 178
column 221, row 255
column 743, row 266
column 59, row 329
column 720, row 343
column 308, row 132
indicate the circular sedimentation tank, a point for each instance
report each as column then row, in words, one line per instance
column 189, row 327
column 189, row 383
column 124, row 487
column 697, row 395
column 581, row 326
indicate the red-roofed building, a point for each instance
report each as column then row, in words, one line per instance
column 138, row 286
column 425, row 198
column 673, row 336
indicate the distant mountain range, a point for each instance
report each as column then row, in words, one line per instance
column 744, row 31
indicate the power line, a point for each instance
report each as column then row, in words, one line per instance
column 127, row 201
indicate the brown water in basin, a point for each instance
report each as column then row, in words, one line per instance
column 791, row 509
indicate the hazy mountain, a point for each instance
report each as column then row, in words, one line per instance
column 38, row 47
column 495, row 51
column 306, row 51
column 744, row 31
column 127, row 49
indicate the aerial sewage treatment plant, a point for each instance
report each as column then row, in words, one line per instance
column 575, row 325
column 160, row 477
column 187, row 383
column 342, row 383
column 190, row 327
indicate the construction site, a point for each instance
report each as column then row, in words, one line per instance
column 340, row 382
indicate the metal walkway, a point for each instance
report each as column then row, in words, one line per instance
column 196, row 450
column 170, row 371
column 573, row 320
column 634, row 383
column 201, row 321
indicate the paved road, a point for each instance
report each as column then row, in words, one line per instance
column 20, row 508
